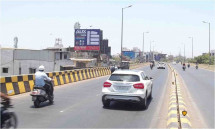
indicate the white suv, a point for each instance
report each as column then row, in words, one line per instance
column 127, row 85
column 161, row 65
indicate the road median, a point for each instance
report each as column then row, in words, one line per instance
column 177, row 112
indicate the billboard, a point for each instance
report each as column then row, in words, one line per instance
column 130, row 54
column 87, row 39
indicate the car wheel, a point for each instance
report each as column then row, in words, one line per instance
column 106, row 103
column 150, row 96
column 143, row 103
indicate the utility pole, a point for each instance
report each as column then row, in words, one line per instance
column 122, row 31
column 209, row 39
column 192, row 46
column 184, row 53
column 143, row 42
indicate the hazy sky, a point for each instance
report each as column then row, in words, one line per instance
column 170, row 22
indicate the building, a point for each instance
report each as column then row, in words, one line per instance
column 155, row 56
column 104, row 48
column 26, row 61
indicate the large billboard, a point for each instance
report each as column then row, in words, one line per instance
column 87, row 39
column 130, row 54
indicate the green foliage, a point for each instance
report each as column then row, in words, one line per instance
column 203, row 59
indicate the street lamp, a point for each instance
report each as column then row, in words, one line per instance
column 122, row 30
column 143, row 42
column 209, row 40
column 192, row 46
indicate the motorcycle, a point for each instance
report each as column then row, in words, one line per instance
column 151, row 66
column 8, row 119
column 184, row 68
column 39, row 95
column 197, row 67
column 188, row 65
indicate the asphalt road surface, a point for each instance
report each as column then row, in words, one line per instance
column 200, row 84
column 79, row 105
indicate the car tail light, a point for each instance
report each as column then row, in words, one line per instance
column 139, row 86
column 107, row 84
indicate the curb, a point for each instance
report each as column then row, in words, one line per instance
column 176, row 105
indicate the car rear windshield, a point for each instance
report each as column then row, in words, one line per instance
column 124, row 77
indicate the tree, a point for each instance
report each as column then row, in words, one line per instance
column 204, row 59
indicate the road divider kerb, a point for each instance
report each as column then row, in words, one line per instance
column 176, row 105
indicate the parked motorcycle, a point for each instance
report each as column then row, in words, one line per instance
column 8, row 119
column 39, row 95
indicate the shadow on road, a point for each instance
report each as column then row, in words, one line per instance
column 126, row 106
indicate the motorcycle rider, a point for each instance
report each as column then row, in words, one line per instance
column 40, row 77
column 151, row 65
column 5, row 98
column 112, row 69
column 184, row 66
column 188, row 65
column 196, row 65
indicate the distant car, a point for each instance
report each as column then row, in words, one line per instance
column 174, row 63
column 161, row 65
column 124, row 65
column 129, row 86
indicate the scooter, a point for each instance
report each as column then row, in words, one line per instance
column 39, row 95
column 8, row 119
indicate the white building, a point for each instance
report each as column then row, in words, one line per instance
column 25, row 61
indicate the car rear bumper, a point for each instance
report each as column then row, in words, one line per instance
column 122, row 98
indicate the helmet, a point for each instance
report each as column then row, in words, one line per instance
column 41, row 68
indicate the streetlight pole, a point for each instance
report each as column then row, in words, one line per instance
column 184, row 53
column 122, row 30
column 209, row 40
column 192, row 46
column 151, row 55
column 143, row 42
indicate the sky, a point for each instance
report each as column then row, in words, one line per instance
column 37, row 23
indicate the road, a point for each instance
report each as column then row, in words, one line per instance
column 78, row 105
column 200, row 85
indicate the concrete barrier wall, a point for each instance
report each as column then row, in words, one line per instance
column 24, row 83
